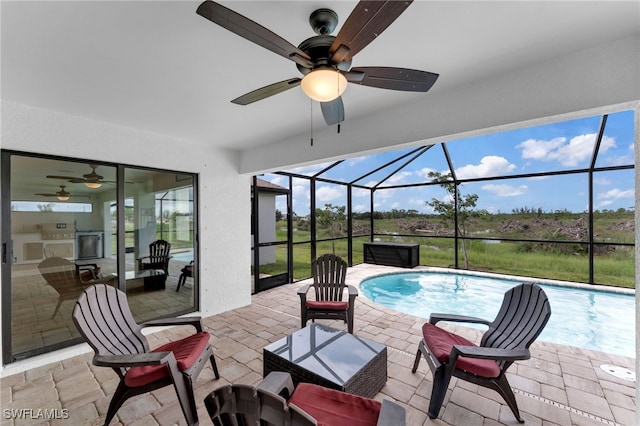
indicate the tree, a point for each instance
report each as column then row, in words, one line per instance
column 333, row 219
column 45, row 207
column 447, row 209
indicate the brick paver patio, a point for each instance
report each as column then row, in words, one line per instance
column 559, row 385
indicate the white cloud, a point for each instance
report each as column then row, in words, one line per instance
column 397, row 179
column 328, row 193
column 602, row 181
column 361, row 208
column 503, row 190
column 571, row 153
column 490, row 165
column 616, row 194
column 424, row 173
column 360, row 192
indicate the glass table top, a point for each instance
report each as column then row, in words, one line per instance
column 333, row 354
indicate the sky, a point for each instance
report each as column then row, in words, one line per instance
column 552, row 147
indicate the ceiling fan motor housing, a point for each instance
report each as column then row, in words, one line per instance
column 317, row 48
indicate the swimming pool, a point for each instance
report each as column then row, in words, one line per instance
column 590, row 319
column 184, row 256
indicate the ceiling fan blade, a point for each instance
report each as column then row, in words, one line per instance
column 67, row 178
column 266, row 91
column 252, row 31
column 396, row 78
column 366, row 22
column 46, row 195
column 333, row 111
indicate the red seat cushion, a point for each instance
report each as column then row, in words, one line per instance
column 185, row 350
column 327, row 305
column 440, row 342
column 334, row 408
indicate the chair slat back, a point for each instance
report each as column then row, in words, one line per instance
column 103, row 317
column 233, row 405
column 240, row 405
column 329, row 275
column 523, row 315
column 159, row 251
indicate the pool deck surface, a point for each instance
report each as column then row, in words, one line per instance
column 559, row 385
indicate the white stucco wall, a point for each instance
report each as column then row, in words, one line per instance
column 224, row 194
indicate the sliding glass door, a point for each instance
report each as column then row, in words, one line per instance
column 69, row 223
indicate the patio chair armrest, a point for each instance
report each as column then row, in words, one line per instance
column 278, row 383
column 437, row 317
column 497, row 354
column 391, row 414
column 194, row 321
column 302, row 291
column 353, row 292
column 134, row 360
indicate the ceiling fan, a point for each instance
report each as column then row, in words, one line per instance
column 91, row 180
column 62, row 195
column 325, row 60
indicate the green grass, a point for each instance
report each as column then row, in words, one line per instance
column 506, row 258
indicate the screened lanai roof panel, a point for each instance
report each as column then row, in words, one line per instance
column 548, row 148
column 415, row 171
column 617, row 147
column 352, row 169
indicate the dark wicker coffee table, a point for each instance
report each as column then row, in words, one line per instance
column 331, row 358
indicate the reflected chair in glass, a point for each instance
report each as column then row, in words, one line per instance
column 158, row 258
column 185, row 272
column 69, row 279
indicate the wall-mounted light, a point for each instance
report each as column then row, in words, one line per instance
column 324, row 84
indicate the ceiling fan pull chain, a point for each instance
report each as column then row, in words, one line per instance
column 311, row 120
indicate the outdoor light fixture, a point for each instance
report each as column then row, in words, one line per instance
column 63, row 197
column 93, row 185
column 324, row 84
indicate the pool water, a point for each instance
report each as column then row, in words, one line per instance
column 184, row 256
column 591, row 319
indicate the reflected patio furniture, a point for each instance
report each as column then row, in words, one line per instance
column 69, row 279
column 329, row 274
column 104, row 319
column 158, row 257
column 185, row 272
column 524, row 313
column 275, row 401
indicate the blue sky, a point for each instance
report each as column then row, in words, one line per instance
column 553, row 147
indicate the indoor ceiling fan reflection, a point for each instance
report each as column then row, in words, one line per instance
column 91, row 180
column 61, row 195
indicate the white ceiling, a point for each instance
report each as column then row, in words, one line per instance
column 160, row 67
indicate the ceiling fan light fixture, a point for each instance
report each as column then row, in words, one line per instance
column 93, row 185
column 63, row 197
column 324, row 84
